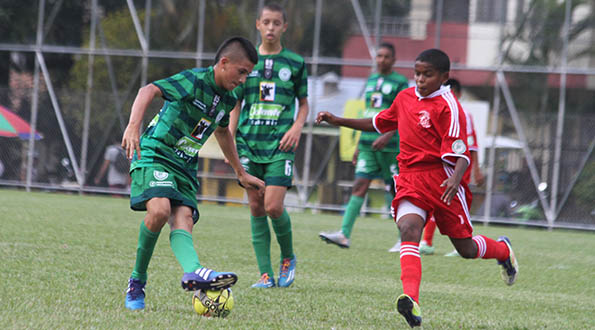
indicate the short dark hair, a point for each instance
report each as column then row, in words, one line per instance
column 388, row 46
column 437, row 58
column 273, row 6
column 234, row 46
column 454, row 84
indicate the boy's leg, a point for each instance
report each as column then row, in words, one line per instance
column 195, row 276
column 480, row 246
column 278, row 176
column 410, row 220
column 486, row 248
column 158, row 210
column 411, row 226
column 180, row 239
column 426, row 245
column 429, row 230
column 261, row 235
column 354, row 206
column 273, row 201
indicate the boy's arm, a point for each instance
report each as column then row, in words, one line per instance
column 234, row 117
column 291, row 139
column 361, row 124
column 130, row 139
column 226, row 143
column 383, row 140
column 452, row 183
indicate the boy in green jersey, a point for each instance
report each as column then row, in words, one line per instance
column 165, row 159
column 375, row 156
column 267, row 137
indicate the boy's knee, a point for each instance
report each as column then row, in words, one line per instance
column 157, row 216
column 274, row 212
column 410, row 229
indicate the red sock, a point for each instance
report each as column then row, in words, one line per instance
column 487, row 248
column 410, row 269
column 429, row 231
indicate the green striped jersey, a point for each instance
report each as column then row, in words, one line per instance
column 269, row 107
column 381, row 90
column 194, row 106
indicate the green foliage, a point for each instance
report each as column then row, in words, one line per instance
column 537, row 40
column 66, row 261
column 584, row 191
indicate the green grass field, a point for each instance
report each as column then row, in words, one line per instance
column 65, row 261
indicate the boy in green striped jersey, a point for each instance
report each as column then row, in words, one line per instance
column 268, row 133
column 375, row 156
column 163, row 170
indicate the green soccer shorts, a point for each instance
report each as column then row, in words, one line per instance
column 376, row 165
column 160, row 181
column 277, row 173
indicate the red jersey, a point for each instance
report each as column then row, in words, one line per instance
column 432, row 129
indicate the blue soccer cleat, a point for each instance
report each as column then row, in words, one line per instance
column 265, row 282
column 135, row 295
column 409, row 309
column 510, row 266
column 208, row 279
column 287, row 272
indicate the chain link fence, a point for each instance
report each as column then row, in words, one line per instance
column 522, row 60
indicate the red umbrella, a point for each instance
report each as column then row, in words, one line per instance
column 11, row 125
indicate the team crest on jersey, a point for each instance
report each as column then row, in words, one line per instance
column 158, row 175
column 424, row 119
column 267, row 91
column 459, row 147
column 201, row 128
column 387, row 88
column 284, row 74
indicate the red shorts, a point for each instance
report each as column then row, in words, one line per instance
column 422, row 188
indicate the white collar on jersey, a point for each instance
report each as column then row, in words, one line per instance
column 443, row 90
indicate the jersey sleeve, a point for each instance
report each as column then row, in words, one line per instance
column 301, row 82
column 452, row 126
column 177, row 87
column 387, row 119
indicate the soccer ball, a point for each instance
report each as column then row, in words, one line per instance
column 213, row 303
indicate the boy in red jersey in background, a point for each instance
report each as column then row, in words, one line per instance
column 432, row 160
column 426, row 245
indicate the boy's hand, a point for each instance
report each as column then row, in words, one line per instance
column 131, row 142
column 325, row 116
column 251, row 182
column 291, row 139
column 451, row 190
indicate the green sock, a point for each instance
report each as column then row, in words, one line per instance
column 351, row 213
column 388, row 199
column 282, row 227
column 261, row 241
column 144, row 251
column 181, row 243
